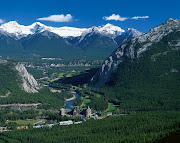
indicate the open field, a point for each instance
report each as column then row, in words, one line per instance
column 54, row 91
column 111, row 107
column 85, row 101
column 24, row 122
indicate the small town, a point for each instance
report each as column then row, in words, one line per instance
column 76, row 111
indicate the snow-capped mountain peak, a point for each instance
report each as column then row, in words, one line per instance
column 111, row 29
column 37, row 23
column 15, row 29
column 12, row 23
column 37, row 26
column 106, row 30
column 18, row 31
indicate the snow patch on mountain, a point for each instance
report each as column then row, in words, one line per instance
column 18, row 31
column 110, row 29
column 106, row 30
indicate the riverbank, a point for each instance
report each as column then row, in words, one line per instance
column 72, row 98
column 70, row 102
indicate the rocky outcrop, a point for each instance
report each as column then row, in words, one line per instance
column 104, row 73
column 29, row 83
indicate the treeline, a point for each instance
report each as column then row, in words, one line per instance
column 47, row 99
column 10, row 114
column 137, row 127
column 8, row 77
column 14, row 115
column 56, row 117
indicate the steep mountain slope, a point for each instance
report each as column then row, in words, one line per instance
column 144, row 73
column 14, row 75
column 97, row 45
column 159, row 41
column 103, row 40
column 9, row 46
column 127, row 36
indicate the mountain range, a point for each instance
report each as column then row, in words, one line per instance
column 41, row 40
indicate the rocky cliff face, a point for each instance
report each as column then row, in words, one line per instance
column 135, row 49
column 29, row 83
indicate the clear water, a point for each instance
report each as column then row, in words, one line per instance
column 69, row 104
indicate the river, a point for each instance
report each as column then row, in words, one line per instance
column 69, row 102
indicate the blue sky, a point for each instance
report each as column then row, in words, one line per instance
column 90, row 13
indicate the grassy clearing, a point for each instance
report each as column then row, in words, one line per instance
column 61, row 75
column 54, row 91
column 69, row 75
column 98, row 95
column 85, row 101
column 24, row 122
column 111, row 107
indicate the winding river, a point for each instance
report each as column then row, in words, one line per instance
column 69, row 102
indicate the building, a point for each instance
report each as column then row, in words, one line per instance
column 88, row 112
column 76, row 112
column 62, row 112
column 22, row 127
column 2, row 129
column 66, row 122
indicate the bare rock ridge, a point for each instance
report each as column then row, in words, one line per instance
column 134, row 49
column 29, row 83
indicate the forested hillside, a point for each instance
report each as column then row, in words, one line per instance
column 8, row 77
column 11, row 91
column 145, row 76
column 137, row 127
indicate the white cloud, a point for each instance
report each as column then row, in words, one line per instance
column 1, row 21
column 57, row 18
column 139, row 17
column 115, row 17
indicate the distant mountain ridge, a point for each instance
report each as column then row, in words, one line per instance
column 18, row 31
column 62, row 41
